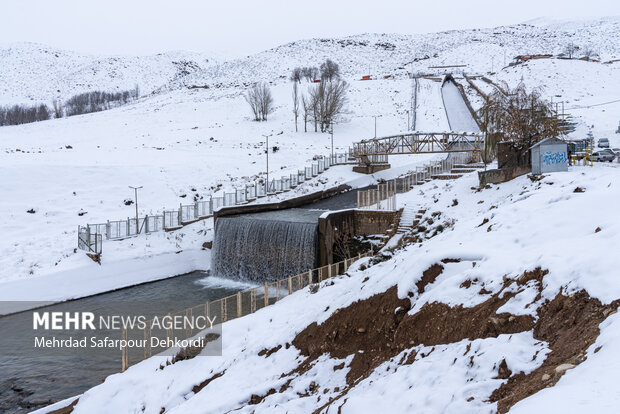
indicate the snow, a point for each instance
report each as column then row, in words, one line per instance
column 434, row 382
column 430, row 112
column 459, row 116
column 180, row 144
column 590, row 385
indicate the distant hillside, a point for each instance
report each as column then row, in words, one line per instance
column 37, row 73
column 480, row 50
column 33, row 73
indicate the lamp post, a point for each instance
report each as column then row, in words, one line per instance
column 331, row 131
column 267, row 151
column 135, row 190
column 375, row 126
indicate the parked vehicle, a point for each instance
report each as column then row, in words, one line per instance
column 603, row 143
column 616, row 151
column 602, row 156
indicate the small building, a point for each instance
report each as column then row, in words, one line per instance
column 549, row 155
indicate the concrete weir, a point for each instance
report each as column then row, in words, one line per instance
column 265, row 246
column 266, row 242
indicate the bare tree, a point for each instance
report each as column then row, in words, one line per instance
column 57, row 106
column 295, row 103
column 260, row 100
column 307, row 108
column 296, row 75
column 590, row 52
column 570, row 50
column 316, row 96
column 329, row 70
column 327, row 101
column 519, row 116
column 310, row 73
column 334, row 101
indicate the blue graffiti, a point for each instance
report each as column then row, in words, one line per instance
column 551, row 158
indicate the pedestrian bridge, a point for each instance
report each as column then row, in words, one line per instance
column 419, row 143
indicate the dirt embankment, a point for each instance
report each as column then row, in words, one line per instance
column 381, row 328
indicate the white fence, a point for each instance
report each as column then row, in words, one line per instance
column 189, row 213
column 384, row 196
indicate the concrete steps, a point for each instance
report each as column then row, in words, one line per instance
column 407, row 219
column 446, row 176
column 467, row 166
column 462, row 170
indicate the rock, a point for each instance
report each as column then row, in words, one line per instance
column 546, row 377
column 597, row 230
column 207, row 245
column 511, row 318
column 361, row 330
column 503, row 372
column 563, row 367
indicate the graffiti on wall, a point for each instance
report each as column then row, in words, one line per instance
column 554, row 158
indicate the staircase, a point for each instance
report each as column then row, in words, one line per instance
column 457, row 171
column 407, row 219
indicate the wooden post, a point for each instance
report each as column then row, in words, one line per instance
column 123, row 350
column 223, row 309
column 309, row 277
column 290, row 285
column 329, row 270
column 169, row 333
column 266, row 294
column 239, row 311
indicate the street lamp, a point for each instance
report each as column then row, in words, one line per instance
column 331, row 131
column 135, row 189
column 267, row 144
column 375, row 126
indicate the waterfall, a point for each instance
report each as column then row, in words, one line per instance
column 265, row 246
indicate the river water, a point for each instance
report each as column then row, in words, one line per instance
column 32, row 378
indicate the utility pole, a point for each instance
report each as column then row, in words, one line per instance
column 375, row 126
column 332, row 134
column 135, row 190
column 267, row 152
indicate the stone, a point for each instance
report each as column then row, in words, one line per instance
column 546, row 377
column 361, row 330
column 563, row 367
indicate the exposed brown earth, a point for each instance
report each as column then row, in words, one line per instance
column 376, row 329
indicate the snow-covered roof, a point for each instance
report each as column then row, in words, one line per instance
column 548, row 141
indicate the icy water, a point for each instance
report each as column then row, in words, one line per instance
column 31, row 380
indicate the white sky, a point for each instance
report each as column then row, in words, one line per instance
column 237, row 27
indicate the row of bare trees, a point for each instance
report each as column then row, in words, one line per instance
column 329, row 70
column 321, row 105
column 78, row 104
column 23, row 114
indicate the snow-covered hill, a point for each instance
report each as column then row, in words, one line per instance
column 480, row 50
column 33, row 73
column 37, row 73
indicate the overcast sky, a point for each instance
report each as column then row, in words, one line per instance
column 238, row 27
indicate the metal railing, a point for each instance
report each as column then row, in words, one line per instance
column 230, row 307
column 384, row 196
column 189, row 213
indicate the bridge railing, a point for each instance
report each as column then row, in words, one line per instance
column 419, row 143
